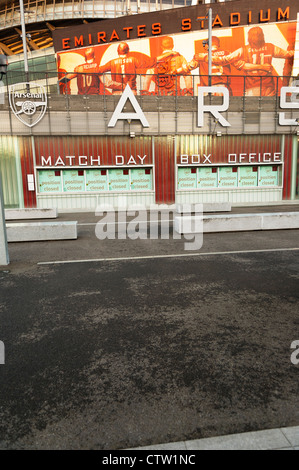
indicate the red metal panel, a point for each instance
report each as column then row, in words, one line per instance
column 164, row 170
column 27, row 165
column 105, row 147
column 287, row 167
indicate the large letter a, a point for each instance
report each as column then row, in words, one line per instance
column 118, row 114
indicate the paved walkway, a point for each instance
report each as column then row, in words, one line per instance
column 86, row 312
column 270, row 439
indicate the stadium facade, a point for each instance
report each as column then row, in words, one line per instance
column 120, row 104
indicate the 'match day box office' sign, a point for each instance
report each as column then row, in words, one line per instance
column 78, row 172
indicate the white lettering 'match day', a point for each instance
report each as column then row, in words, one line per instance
column 89, row 160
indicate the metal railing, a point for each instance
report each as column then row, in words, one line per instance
column 151, row 84
column 68, row 112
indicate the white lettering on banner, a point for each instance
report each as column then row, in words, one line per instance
column 59, row 161
column 85, row 160
column 184, row 159
column 28, row 95
column 95, row 160
column 207, row 158
column 213, row 109
column 254, row 157
column 232, row 158
column 46, row 162
column 132, row 160
column 195, row 159
column 119, row 160
column 70, row 158
column 293, row 104
column 141, row 158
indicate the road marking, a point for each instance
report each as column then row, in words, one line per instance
column 126, row 222
column 179, row 255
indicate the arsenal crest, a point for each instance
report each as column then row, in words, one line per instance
column 28, row 102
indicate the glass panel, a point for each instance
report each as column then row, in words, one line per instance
column 228, row 178
column 73, row 180
column 11, row 177
column 207, row 177
column 141, row 179
column 49, row 181
column 96, row 180
column 247, row 176
column 268, row 175
column 119, row 180
column 187, row 178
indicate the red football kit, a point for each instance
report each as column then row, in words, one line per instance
column 88, row 80
column 256, row 56
column 123, row 70
column 219, row 72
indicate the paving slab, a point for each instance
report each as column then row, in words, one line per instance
column 271, row 439
column 292, row 435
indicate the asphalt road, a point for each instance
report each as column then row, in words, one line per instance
column 121, row 353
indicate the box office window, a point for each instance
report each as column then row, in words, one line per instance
column 95, row 180
column 268, row 176
column 49, row 181
column 227, row 177
column 141, row 179
column 73, row 181
column 187, row 179
column 248, row 176
column 207, row 177
column 245, row 176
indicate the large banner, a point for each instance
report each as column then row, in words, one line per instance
column 256, row 60
column 166, row 52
